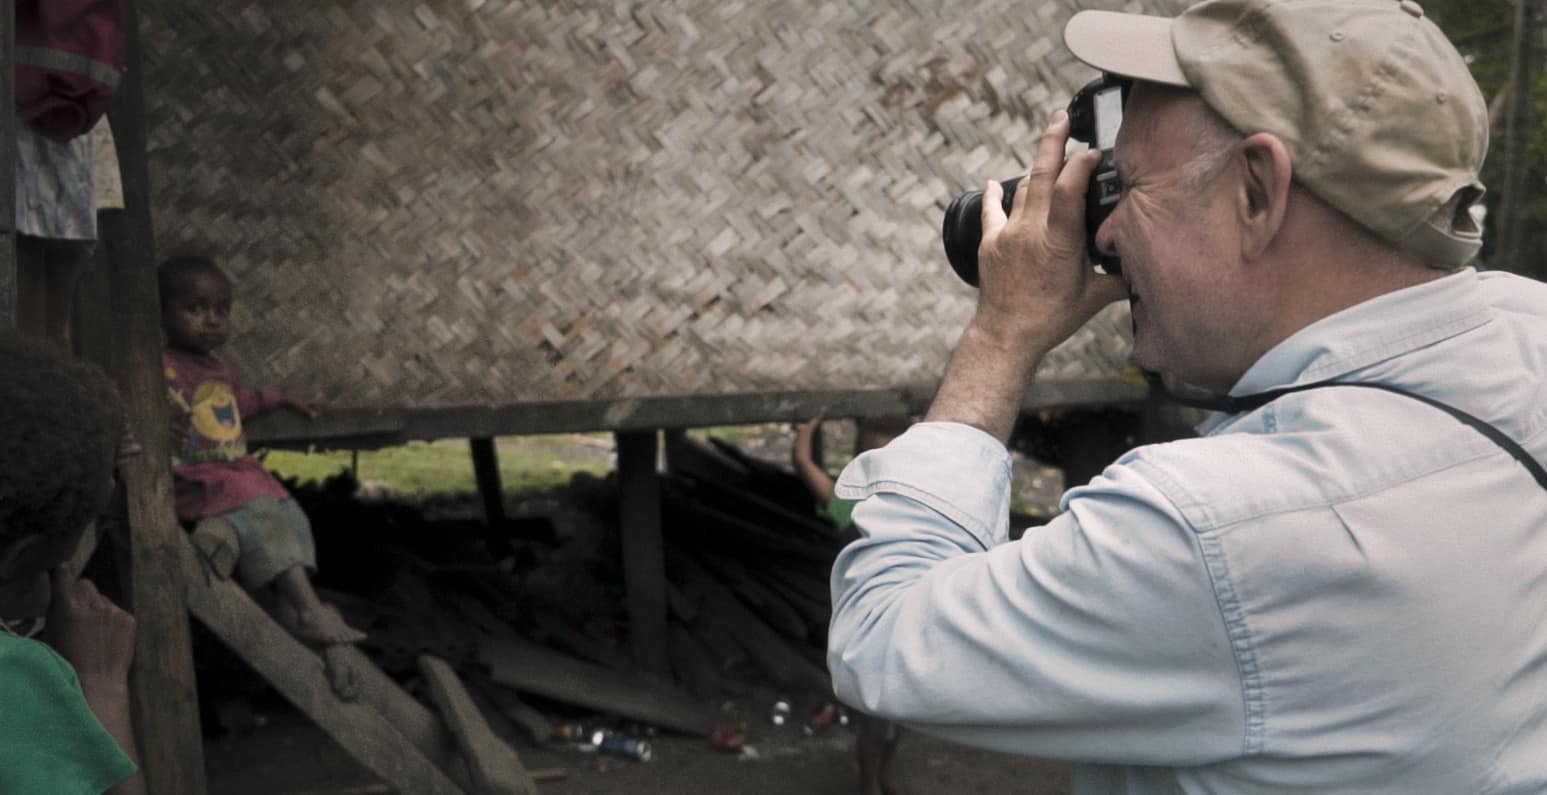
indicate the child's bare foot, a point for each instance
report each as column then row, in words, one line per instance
column 323, row 624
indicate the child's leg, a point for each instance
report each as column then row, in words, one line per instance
column 67, row 260
column 310, row 618
column 875, row 744
column 277, row 549
column 46, row 273
column 31, row 286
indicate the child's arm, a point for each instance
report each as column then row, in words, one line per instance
column 810, row 471
column 251, row 402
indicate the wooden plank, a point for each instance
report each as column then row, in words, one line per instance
column 7, row 166
column 532, row 723
column 531, row 668
column 295, row 671
column 644, row 559
column 162, row 679
column 492, row 772
column 381, row 426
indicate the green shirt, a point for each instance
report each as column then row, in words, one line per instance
column 50, row 741
column 841, row 511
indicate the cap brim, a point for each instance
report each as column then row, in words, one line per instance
column 1132, row 45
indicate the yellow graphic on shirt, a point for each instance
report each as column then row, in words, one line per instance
column 214, row 415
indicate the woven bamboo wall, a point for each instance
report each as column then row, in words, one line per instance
column 436, row 202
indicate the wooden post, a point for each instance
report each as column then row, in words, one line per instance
column 7, row 166
column 1514, row 203
column 644, row 559
column 162, row 680
column 486, row 471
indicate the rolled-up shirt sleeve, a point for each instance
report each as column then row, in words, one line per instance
column 1097, row 637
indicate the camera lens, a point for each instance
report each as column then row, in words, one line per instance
column 963, row 229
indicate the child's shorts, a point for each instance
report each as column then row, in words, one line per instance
column 274, row 535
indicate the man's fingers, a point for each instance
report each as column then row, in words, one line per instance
column 1037, row 188
column 992, row 215
column 1068, row 205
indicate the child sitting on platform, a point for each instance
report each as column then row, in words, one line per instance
column 217, row 485
column 875, row 740
column 64, row 698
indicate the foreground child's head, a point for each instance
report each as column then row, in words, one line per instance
column 873, row 433
column 59, row 422
column 195, row 304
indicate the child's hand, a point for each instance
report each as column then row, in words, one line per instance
column 304, row 405
column 94, row 635
column 805, row 432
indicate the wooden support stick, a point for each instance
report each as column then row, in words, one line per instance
column 294, row 670
column 8, row 166
column 492, row 771
column 486, row 470
column 644, row 563
column 166, row 711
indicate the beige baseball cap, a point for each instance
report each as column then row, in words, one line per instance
column 1380, row 114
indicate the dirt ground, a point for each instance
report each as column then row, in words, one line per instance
column 291, row 757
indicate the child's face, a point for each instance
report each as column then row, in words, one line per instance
column 197, row 317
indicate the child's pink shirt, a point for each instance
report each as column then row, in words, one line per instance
column 212, row 472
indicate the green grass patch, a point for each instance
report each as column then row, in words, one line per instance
column 528, row 464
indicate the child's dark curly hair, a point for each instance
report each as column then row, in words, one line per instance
column 60, row 420
column 173, row 274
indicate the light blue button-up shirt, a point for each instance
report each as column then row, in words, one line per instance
column 1345, row 590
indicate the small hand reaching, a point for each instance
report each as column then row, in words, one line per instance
column 805, row 434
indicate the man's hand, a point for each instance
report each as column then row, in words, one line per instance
column 1037, row 286
column 94, row 635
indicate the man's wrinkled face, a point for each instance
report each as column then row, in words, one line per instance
column 1170, row 232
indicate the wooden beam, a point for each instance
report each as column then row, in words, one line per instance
column 366, row 428
column 644, row 557
column 365, row 732
column 162, row 679
column 530, row 668
column 8, row 165
column 488, row 758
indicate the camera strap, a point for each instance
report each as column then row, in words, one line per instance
column 1245, row 403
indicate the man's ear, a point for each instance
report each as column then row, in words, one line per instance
column 1263, row 197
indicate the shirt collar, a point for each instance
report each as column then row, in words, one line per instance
column 1378, row 329
column 1373, row 331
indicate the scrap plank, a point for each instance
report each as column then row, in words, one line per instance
column 528, row 667
column 493, row 772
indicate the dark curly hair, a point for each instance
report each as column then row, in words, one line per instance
column 60, row 419
column 173, row 274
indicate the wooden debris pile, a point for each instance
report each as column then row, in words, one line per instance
column 540, row 636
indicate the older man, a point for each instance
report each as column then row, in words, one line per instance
column 1334, row 589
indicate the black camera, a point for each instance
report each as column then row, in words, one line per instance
column 1095, row 113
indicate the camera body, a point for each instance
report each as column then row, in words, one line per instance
column 1095, row 114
